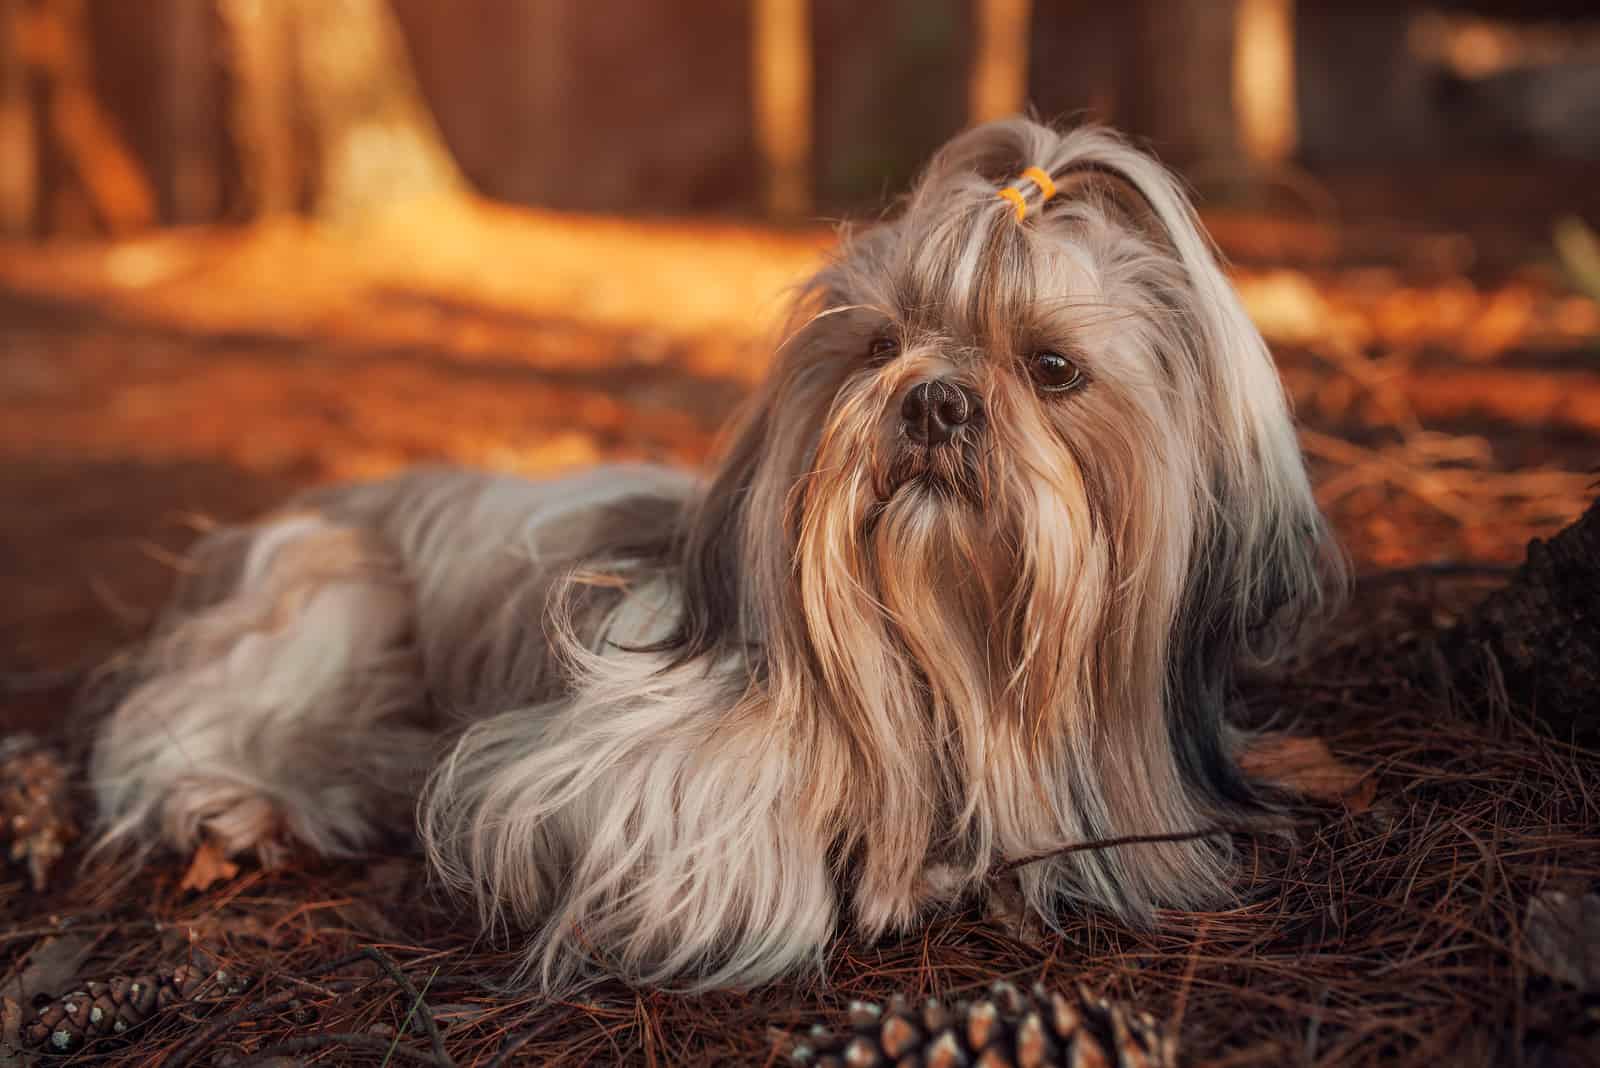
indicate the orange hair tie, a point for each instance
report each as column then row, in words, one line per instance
column 1038, row 177
column 1015, row 196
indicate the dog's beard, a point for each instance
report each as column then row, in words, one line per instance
column 966, row 618
column 952, row 475
column 955, row 552
column 931, row 560
column 916, row 574
column 913, row 527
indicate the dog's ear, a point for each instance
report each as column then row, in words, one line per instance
column 1267, row 533
column 1263, row 563
column 1266, row 551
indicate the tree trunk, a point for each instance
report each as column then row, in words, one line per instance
column 1264, row 80
column 375, row 137
column 1534, row 646
column 105, row 175
column 18, row 146
column 189, row 176
column 259, row 42
column 334, row 77
column 781, row 59
column 1186, row 81
column 998, row 85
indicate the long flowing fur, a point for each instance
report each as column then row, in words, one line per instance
column 676, row 730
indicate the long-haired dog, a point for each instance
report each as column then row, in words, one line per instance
column 967, row 586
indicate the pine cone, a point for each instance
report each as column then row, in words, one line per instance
column 1007, row 1029
column 106, row 1009
column 35, row 810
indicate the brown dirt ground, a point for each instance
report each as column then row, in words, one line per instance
column 1452, row 410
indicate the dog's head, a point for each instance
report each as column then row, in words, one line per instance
column 1022, row 476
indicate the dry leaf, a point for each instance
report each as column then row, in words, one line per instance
column 208, row 868
column 1305, row 766
column 50, row 967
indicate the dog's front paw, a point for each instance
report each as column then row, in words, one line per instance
column 1005, row 907
column 941, row 886
column 230, row 818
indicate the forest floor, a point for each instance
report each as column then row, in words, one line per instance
column 1448, row 383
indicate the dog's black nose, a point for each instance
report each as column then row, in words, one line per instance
column 933, row 410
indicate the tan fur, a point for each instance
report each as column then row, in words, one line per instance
column 677, row 729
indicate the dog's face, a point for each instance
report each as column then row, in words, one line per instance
column 1022, row 480
column 987, row 409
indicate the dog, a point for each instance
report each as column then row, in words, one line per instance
column 967, row 586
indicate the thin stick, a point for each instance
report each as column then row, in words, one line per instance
column 405, row 1025
column 1134, row 839
column 418, row 1005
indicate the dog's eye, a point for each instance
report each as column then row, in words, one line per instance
column 882, row 349
column 1053, row 372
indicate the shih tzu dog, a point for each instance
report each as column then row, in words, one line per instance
column 967, row 586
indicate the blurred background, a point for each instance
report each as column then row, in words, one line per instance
column 123, row 115
column 250, row 245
